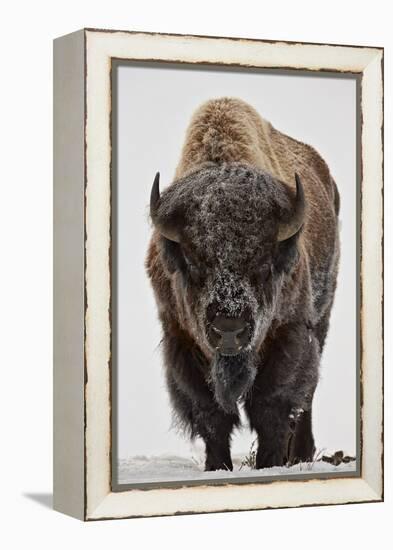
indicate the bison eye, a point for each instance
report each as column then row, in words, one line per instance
column 190, row 265
column 261, row 274
column 193, row 270
column 265, row 271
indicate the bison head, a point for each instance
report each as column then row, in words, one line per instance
column 228, row 240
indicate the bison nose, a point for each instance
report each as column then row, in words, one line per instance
column 229, row 335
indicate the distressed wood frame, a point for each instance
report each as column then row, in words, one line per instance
column 82, row 258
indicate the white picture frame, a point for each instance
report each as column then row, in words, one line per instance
column 82, row 271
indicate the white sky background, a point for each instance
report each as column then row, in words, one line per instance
column 154, row 109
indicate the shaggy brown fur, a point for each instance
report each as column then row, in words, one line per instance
column 233, row 187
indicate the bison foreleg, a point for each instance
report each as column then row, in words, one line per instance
column 274, row 433
column 281, row 396
column 194, row 404
column 215, row 428
column 284, row 435
column 302, row 446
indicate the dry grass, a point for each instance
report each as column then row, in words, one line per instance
column 250, row 459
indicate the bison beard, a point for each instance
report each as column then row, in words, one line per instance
column 232, row 377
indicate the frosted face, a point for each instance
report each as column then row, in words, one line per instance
column 228, row 263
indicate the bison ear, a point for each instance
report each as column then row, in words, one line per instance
column 172, row 256
column 159, row 223
column 287, row 254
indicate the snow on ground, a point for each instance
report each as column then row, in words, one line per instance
column 144, row 469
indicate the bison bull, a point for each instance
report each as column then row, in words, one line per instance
column 243, row 262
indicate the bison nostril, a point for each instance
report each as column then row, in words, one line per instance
column 241, row 332
column 217, row 336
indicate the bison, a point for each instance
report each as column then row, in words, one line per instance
column 243, row 262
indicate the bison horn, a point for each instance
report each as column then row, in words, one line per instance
column 165, row 231
column 289, row 228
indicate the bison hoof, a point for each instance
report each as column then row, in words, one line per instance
column 213, row 465
column 268, row 459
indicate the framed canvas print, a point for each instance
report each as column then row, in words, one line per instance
column 218, row 268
